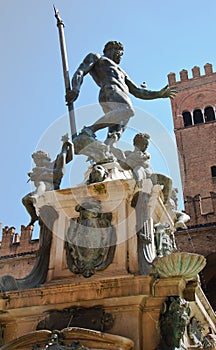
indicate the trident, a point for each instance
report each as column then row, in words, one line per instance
column 60, row 26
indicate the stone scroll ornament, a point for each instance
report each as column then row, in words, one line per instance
column 173, row 318
column 90, row 240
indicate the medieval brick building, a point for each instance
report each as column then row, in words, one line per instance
column 18, row 251
column 193, row 110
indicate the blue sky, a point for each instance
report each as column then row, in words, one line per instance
column 159, row 37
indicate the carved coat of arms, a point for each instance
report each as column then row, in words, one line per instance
column 90, row 239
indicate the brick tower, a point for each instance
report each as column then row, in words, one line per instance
column 194, row 116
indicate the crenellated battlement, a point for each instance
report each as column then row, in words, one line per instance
column 194, row 116
column 195, row 102
column 15, row 243
column 196, row 73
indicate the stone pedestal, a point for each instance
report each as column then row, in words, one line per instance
column 130, row 302
column 133, row 301
column 115, row 197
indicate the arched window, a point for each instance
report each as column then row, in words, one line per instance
column 187, row 118
column 213, row 171
column 198, row 116
column 209, row 114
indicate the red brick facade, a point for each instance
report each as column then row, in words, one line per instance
column 17, row 252
column 194, row 109
column 196, row 141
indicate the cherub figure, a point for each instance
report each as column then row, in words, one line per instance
column 139, row 161
column 47, row 175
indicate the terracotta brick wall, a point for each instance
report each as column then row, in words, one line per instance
column 196, row 143
column 200, row 240
column 17, row 251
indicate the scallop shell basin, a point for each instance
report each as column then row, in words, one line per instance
column 186, row 265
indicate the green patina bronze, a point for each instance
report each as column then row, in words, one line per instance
column 172, row 323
